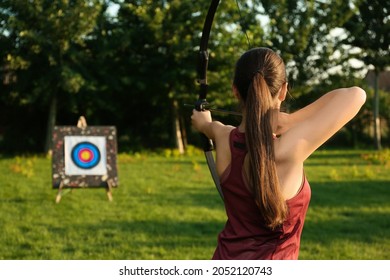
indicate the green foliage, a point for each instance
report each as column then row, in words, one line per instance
column 23, row 166
column 129, row 69
column 368, row 30
column 45, row 55
column 384, row 112
column 48, row 35
column 168, row 208
column 300, row 31
column 378, row 157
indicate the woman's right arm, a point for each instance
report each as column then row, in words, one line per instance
column 311, row 126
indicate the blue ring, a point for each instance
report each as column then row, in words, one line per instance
column 94, row 150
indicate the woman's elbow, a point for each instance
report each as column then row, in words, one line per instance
column 359, row 95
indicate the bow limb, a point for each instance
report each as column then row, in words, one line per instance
column 201, row 104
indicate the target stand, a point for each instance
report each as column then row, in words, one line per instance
column 84, row 156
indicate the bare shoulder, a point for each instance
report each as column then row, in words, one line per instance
column 316, row 123
column 222, row 136
column 220, row 130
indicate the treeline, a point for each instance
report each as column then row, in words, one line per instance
column 132, row 64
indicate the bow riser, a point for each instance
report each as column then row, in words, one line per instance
column 202, row 103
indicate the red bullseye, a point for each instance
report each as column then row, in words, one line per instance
column 85, row 155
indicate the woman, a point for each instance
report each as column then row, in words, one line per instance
column 260, row 162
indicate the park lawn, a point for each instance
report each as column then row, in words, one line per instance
column 166, row 207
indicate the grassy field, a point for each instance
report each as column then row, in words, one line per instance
column 166, row 207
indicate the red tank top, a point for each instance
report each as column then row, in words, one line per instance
column 245, row 235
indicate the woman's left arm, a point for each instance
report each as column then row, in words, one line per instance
column 215, row 130
column 202, row 122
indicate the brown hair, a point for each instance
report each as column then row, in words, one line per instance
column 259, row 75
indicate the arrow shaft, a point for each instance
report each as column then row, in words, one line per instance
column 222, row 111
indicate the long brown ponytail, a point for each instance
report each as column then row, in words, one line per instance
column 259, row 75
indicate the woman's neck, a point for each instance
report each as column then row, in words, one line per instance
column 241, row 126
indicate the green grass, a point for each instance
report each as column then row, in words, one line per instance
column 166, row 207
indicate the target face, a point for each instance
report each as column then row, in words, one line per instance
column 85, row 155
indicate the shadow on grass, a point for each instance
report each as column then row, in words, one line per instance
column 196, row 197
column 145, row 239
column 336, row 158
column 348, row 220
column 351, row 193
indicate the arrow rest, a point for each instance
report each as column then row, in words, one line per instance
column 202, row 105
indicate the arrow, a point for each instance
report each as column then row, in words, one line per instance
column 207, row 107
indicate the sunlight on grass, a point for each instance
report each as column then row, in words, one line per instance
column 166, row 207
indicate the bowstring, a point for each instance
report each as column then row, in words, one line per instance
column 243, row 28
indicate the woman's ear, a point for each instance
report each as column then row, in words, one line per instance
column 283, row 92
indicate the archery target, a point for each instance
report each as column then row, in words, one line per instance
column 85, row 155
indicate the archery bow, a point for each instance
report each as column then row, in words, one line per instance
column 202, row 103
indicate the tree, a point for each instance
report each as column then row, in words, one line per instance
column 300, row 31
column 47, row 49
column 368, row 30
column 155, row 47
column 136, row 68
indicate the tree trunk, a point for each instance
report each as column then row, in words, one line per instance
column 183, row 131
column 177, row 129
column 51, row 121
column 377, row 124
